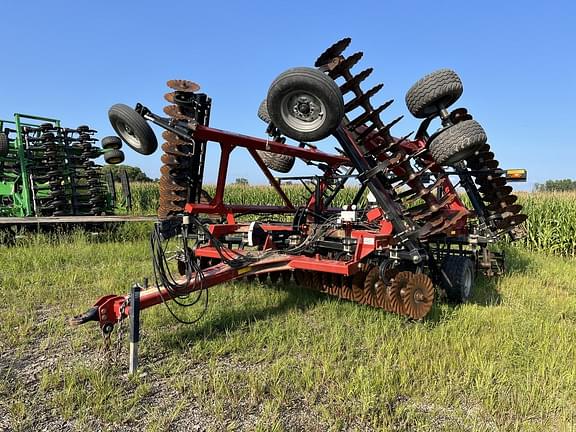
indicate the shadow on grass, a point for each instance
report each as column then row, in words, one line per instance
column 486, row 294
column 485, row 288
column 297, row 299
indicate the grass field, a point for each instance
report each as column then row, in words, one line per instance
column 285, row 359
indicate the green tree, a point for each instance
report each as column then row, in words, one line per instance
column 242, row 181
column 135, row 174
column 564, row 185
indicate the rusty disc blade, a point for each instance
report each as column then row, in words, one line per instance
column 372, row 276
column 417, row 296
column 170, row 184
column 485, row 155
column 449, row 222
column 326, row 282
column 168, row 159
column 511, row 221
column 172, row 137
column 503, row 202
column 302, row 278
column 483, row 148
column 176, row 149
column 376, row 288
column 183, row 86
column 175, row 111
column 510, row 210
column 358, row 286
column 334, row 51
column 316, row 281
column 394, row 297
column 498, row 194
column 477, row 163
column 494, row 182
column 427, row 190
column 336, row 287
column 168, row 170
column 169, row 97
column 355, row 81
column 345, row 65
column 487, row 177
column 274, row 277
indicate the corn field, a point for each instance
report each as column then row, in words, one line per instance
column 551, row 221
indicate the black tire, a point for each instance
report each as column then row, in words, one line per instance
column 442, row 87
column 457, row 142
column 133, row 129
column 460, row 272
column 4, row 145
column 305, row 104
column 263, row 112
column 114, row 157
column 276, row 161
column 111, row 142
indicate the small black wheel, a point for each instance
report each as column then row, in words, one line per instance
column 133, row 129
column 460, row 273
column 263, row 112
column 305, row 104
column 4, row 145
column 114, row 157
column 111, row 142
column 458, row 142
column 442, row 87
column 277, row 162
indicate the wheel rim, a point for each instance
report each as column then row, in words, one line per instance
column 303, row 111
column 128, row 135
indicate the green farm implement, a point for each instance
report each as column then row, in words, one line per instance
column 48, row 172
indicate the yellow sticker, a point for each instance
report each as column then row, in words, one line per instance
column 244, row 270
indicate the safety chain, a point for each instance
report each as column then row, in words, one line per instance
column 110, row 356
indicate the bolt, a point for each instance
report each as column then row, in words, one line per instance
column 304, row 108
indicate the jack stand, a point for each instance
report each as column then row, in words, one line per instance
column 135, row 326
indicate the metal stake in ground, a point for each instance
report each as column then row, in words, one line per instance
column 135, row 326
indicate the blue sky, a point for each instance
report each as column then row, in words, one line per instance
column 73, row 60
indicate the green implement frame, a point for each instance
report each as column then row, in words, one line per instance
column 49, row 170
column 18, row 189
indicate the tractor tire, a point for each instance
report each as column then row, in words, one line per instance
column 133, row 129
column 460, row 272
column 442, row 87
column 305, row 104
column 263, row 112
column 277, row 162
column 4, row 145
column 458, row 142
column 111, row 142
column 114, row 157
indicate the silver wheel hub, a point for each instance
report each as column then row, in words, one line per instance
column 303, row 111
column 130, row 137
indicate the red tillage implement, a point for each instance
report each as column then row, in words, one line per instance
column 412, row 237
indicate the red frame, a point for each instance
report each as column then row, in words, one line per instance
column 113, row 308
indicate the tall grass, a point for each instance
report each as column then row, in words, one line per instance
column 551, row 221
